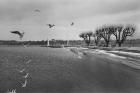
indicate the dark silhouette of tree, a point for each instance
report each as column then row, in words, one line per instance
column 89, row 34
column 84, row 36
column 87, row 37
column 96, row 37
column 105, row 33
column 122, row 32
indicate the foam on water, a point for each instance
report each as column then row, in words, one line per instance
column 130, row 53
column 106, row 53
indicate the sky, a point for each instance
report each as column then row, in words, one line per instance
column 87, row 15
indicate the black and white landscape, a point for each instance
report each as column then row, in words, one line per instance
column 69, row 46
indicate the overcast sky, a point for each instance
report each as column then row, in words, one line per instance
column 87, row 15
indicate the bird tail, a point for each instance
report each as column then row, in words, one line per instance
column 21, row 36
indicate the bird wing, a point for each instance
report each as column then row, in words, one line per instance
column 16, row 32
column 37, row 10
column 50, row 25
column 72, row 23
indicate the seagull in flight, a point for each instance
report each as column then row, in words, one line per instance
column 24, row 84
column 18, row 33
column 72, row 24
column 51, row 25
column 37, row 10
column 26, row 75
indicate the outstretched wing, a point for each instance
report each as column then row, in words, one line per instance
column 37, row 10
column 18, row 33
column 15, row 32
column 21, row 35
column 51, row 25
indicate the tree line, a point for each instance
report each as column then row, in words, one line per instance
column 120, row 32
column 128, row 42
column 42, row 42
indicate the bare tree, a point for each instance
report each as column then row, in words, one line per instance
column 122, row 32
column 84, row 36
column 105, row 33
column 96, row 37
column 87, row 37
column 89, row 34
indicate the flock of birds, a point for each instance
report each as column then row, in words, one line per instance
column 21, row 34
column 25, row 76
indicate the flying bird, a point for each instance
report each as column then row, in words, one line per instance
column 37, row 10
column 72, row 24
column 51, row 25
column 21, row 71
column 18, row 33
column 26, row 75
column 24, row 84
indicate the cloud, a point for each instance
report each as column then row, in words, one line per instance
column 62, row 10
column 16, row 11
column 86, row 14
column 118, row 6
column 133, row 17
column 87, row 8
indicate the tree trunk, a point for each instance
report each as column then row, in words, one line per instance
column 107, row 43
column 89, row 41
column 120, row 44
column 85, row 40
column 96, row 42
